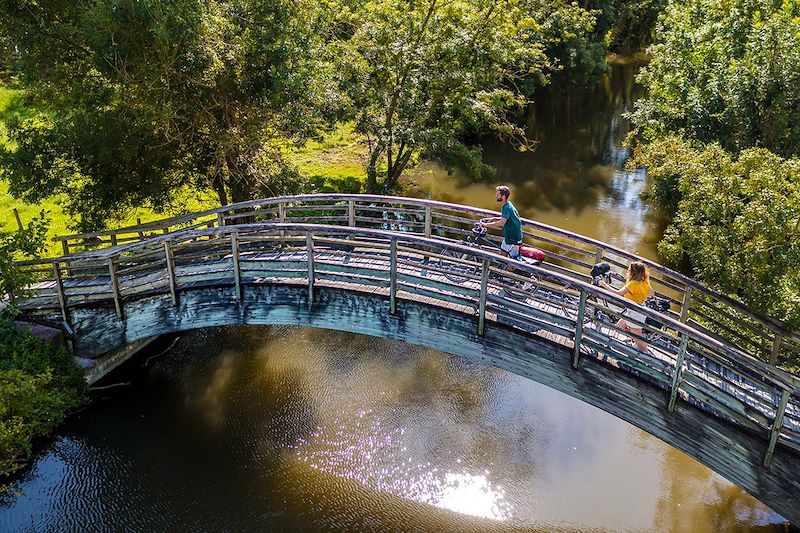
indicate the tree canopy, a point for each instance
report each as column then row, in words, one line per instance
column 725, row 72
column 720, row 136
column 141, row 98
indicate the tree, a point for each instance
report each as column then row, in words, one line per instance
column 726, row 72
column 421, row 74
column 144, row 97
column 737, row 222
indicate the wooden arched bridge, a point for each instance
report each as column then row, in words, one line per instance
column 711, row 383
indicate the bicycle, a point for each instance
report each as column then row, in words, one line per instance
column 461, row 270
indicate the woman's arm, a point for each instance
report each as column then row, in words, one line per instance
column 622, row 291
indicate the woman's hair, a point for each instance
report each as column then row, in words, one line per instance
column 637, row 271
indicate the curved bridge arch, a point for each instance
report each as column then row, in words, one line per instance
column 732, row 413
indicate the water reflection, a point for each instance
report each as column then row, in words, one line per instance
column 575, row 177
column 308, row 430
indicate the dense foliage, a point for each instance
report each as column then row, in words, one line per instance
column 726, row 72
column 421, row 73
column 146, row 97
column 26, row 243
column 38, row 387
column 720, row 137
column 738, row 220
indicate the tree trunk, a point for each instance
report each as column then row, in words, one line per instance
column 372, row 173
column 218, row 184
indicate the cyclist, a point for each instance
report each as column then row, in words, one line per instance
column 637, row 289
column 508, row 221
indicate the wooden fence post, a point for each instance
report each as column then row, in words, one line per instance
column 19, row 221
column 173, row 284
column 428, row 220
column 310, row 252
column 482, row 298
column 677, row 373
column 776, row 349
column 393, row 276
column 579, row 329
column 776, row 428
column 351, row 213
column 687, row 295
column 237, row 276
column 112, row 272
column 62, row 297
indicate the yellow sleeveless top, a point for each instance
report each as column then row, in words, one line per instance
column 638, row 291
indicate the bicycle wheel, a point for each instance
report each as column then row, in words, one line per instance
column 455, row 270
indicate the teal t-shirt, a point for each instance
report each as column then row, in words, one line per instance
column 512, row 231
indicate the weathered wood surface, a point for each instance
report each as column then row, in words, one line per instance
column 726, row 448
column 688, row 366
column 764, row 337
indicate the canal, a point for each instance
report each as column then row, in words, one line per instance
column 292, row 429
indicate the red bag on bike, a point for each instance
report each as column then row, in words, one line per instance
column 532, row 253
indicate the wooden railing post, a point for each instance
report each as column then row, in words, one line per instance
column 310, row 252
column 112, row 272
column 776, row 349
column 482, row 298
column 393, row 276
column 428, row 220
column 351, row 213
column 598, row 255
column 677, row 373
column 113, row 237
column 579, row 330
column 237, row 275
column 281, row 220
column 687, row 295
column 220, row 220
column 65, row 246
column 776, row 428
column 173, row 284
column 62, row 297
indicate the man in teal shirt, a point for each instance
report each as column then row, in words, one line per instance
column 508, row 220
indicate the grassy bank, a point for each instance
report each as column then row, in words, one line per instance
column 331, row 164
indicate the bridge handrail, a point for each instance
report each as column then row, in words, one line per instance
column 781, row 378
column 150, row 256
column 775, row 340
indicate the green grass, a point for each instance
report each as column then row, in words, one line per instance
column 335, row 163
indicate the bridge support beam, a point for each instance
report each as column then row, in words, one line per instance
column 677, row 372
column 112, row 273
column 310, row 252
column 482, row 300
column 579, row 330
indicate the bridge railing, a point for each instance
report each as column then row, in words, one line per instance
column 691, row 302
column 683, row 360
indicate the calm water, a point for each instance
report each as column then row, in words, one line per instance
column 574, row 180
column 291, row 429
column 288, row 429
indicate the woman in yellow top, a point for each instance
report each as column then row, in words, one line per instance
column 637, row 289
